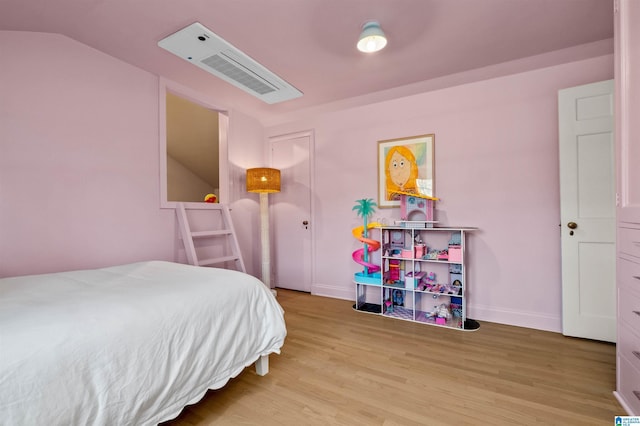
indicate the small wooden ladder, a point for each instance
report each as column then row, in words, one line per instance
column 188, row 236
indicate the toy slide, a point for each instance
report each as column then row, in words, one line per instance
column 372, row 245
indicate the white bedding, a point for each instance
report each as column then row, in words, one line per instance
column 127, row 345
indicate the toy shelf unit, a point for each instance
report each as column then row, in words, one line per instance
column 422, row 277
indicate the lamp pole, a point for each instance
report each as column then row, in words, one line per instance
column 264, row 239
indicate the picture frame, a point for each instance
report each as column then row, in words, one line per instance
column 405, row 165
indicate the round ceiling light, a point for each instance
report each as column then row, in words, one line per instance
column 372, row 38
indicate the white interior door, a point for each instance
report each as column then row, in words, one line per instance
column 291, row 212
column 587, row 211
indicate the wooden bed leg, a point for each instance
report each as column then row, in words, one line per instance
column 262, row 365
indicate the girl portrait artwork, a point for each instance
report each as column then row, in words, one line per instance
column 401, row 171
column 405, row 165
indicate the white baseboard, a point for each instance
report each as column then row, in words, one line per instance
column 335, row 292
column 514, row 317
column 624, row 404
column 517, row 318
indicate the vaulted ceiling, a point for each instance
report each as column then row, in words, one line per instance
column 311, row 43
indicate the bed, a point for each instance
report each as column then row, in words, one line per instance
column 128, row 345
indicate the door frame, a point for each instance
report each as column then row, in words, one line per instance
column 312, row 217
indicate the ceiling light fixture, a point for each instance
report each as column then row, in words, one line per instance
column 372, row 38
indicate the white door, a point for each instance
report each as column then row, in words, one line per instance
column 291, row 212
column 587, row 211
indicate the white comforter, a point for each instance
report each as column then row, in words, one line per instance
column 127, row 345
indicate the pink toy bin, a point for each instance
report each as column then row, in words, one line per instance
column 455, row 254
column 420, row 250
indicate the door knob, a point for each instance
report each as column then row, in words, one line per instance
column 572, row 225
column 305, row 222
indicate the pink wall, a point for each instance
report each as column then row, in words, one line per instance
column 79, row 159
column 246, row 150
column 79, row 184
column 496, row 169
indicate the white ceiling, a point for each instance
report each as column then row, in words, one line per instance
column 311, row 43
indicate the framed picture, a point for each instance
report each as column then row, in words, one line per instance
column 405, row 165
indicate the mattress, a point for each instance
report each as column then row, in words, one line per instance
column 127, row 345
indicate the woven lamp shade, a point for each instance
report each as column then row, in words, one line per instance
column 263, row 179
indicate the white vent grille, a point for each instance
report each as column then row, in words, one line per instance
column 238, row 73
column 205, row 49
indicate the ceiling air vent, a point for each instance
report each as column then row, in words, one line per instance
column 200, row 46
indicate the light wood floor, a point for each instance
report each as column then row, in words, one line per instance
column 341, row 367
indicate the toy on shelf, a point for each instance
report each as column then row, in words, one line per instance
column 455, row 275
column 394, row 253
column 398, row 298
column 456, row 307
column 440, row 314
column 211, row 198
column 416, row 209
column 427, row 282
column 394, row 271
column 443, row 255
column 431, row 255
column 365, row 208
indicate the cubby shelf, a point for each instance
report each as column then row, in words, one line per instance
column 414, row 286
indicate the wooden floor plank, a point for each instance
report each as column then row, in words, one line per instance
column 341, row 367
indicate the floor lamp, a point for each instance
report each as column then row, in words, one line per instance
column 264, row 181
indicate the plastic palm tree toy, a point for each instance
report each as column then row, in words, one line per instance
column 365, row 208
